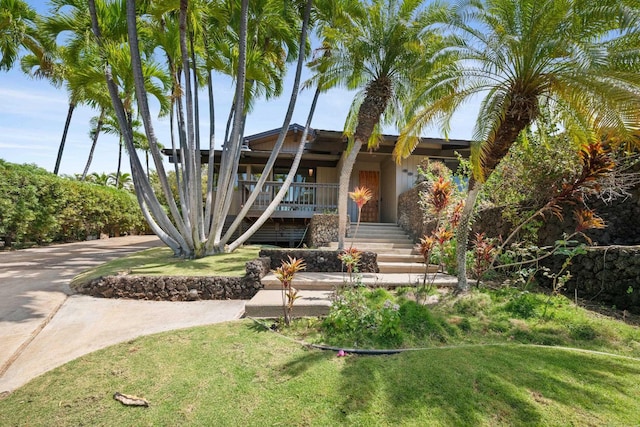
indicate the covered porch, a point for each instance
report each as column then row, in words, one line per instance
column 302, row 200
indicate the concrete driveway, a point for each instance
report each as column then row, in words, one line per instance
column 43, row 325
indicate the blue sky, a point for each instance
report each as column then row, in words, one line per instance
column 32, row 116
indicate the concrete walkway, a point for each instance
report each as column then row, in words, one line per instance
column 43, row 325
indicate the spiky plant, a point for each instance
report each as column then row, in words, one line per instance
column 360, row 195
column 285, row 274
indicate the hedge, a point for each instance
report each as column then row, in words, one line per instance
column 39, row 207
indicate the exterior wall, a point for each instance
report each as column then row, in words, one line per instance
column 408, row 173
column 388, row 192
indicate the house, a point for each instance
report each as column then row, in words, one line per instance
column 315, row 187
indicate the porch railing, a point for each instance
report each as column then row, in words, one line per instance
column 301, row 197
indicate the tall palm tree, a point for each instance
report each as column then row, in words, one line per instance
column 578, row 58
column 17, row 30
column 111, row 127
column 185, row 230
column 78, row 56
column 382, row 53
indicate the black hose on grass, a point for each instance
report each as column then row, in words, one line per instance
column 382, row 352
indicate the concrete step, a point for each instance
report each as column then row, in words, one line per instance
column 361, row 240
column 405, row 267
column 268, row 304
column 373, row 246
column 380, row 234
column 390, row 252
column 401, row 255
column 329, row 281
column 377, row 230
column 376, row 224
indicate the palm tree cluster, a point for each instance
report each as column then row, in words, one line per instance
column 412, row 64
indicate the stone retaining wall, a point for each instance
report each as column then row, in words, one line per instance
column 610, row 275
column 605, row 273
column 319, row 261
column 180, row 288
column 410, row 216
column 323, row 229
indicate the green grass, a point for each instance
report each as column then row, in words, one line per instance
column 237, row 374
column 161, row 262
column 507, row 315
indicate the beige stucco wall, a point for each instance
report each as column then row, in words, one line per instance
column 407, row 173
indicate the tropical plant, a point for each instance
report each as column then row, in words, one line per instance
column 17, row 30
column 205, row 45
column 382, row 53
column 578, row 59
column 439, row 204
column 285, row 274
column 360, row 196
column 350, row 258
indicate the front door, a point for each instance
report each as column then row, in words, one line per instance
column 371, row 180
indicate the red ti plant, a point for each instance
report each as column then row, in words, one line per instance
column 350, row 258
column 483, row 253
column 425, row 247
column 438, row 201
column 595, row 164
column 587, row 219
column 360, row 195
column 285, row 274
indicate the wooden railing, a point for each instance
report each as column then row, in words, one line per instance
column 302, row 199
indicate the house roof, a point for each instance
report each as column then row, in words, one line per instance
column 324, row 147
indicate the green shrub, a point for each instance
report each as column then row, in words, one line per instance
column 37, row 206
column 418, row 320
column 363, row 318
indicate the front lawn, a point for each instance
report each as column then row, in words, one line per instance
column 240, row 374
column 162, row 262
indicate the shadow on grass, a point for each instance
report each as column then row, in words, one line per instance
column 489, row 385
column 299, row 365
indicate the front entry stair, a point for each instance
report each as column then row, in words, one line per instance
column 399, row 265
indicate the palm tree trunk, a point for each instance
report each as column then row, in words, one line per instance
column 232, row 148
column 281, row 137
column 378, row 94
column 119, row 163
column 462, row 236
column 145, row 114
column 93, row 145
column 349, row 159
column 67, row 122
column 285, row 185
column 208, row 215
column 160, row 222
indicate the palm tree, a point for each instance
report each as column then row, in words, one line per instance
column 121, row 181
column 17, row 30
column 79, row 61
column 382, row 53
column 111, row 127
column 101, row 179
column 579, row 59
column 195, row 230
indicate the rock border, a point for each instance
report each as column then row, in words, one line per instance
column 180, row 288
column 196, row 288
